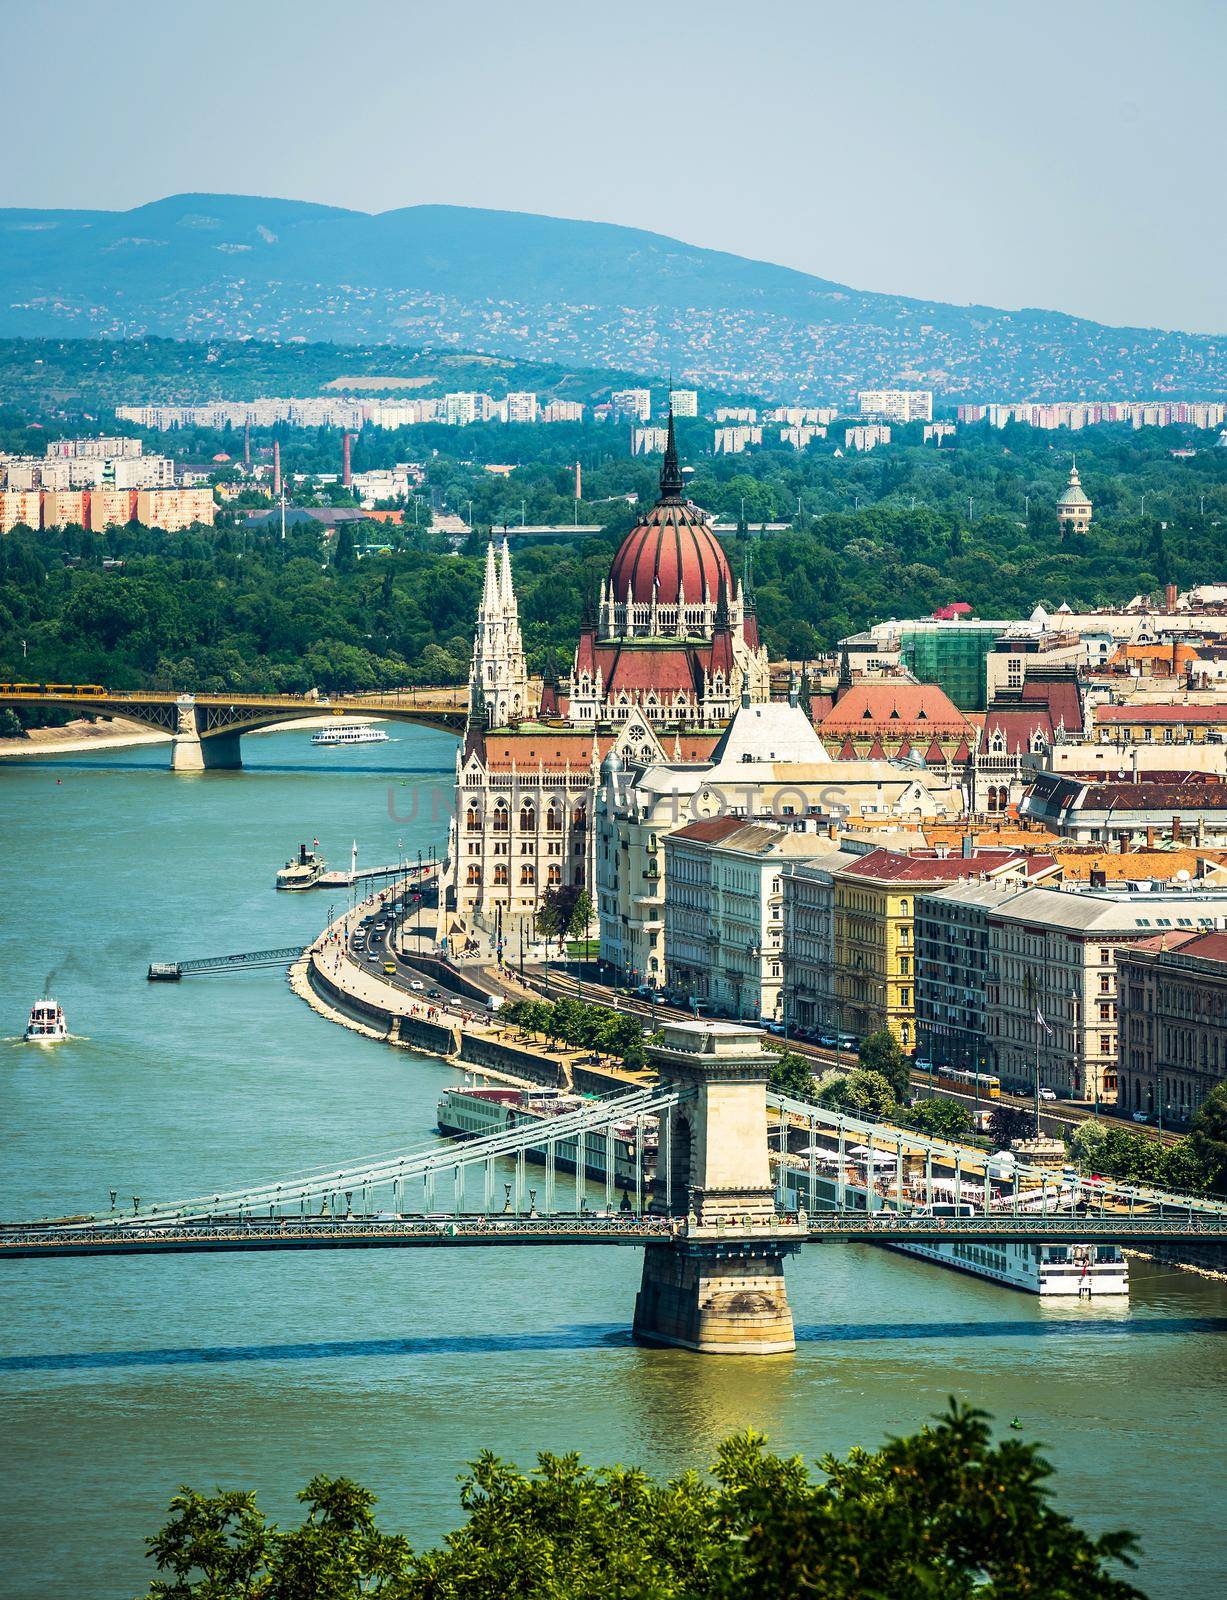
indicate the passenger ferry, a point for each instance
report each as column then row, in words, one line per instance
column 1075, row 1271
column 303, row 873
column 350, row 733
column 473, row 1112
column 46, row 1024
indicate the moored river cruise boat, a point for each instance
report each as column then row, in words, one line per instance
column 473, row 1112
column 1074, row 1270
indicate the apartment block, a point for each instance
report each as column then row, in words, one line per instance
column 63, row 508
column 684, row 402
column 896, row 405
column 19, row 508
column 174, row 509
column 632, row 404
column 1172, row 1009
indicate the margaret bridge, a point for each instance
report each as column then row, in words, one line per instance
column 205, row 729
column 734, row 1193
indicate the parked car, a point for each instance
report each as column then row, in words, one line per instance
column 1140, row 1116
column 1048, row 1094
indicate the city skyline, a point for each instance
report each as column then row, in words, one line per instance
column 957, row 161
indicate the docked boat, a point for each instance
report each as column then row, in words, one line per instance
column 474, row 1112
column 46, row 1024
column 350, row 733
column 1076, row 1271
column 304, row 872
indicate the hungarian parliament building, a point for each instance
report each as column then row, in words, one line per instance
column 672, row 651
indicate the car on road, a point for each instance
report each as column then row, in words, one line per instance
column 417, row 985
column 1140, row 1116
column 434, row 994
column 390, row 967
column 1048, row 1094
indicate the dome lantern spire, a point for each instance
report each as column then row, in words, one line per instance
column 671, row 480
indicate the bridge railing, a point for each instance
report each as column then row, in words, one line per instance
column 1032, row 1184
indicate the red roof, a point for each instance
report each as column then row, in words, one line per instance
column 670, row 550
column 917, row 707
column 1206, row 947
column 890, row 866
column 1163, row 713
column 711, row 830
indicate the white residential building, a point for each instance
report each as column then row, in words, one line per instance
column 684, row 402
column 896, row 405
column 631, row 404
column 724, row 920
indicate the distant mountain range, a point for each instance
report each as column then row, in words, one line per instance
column 204, row 266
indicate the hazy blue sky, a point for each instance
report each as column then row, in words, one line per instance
column 1012, row 152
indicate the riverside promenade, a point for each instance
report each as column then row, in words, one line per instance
column 456, row 1025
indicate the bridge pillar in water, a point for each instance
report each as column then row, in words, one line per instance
column 193, row 751
column 719, row 1288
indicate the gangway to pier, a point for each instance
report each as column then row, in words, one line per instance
column 169, row 971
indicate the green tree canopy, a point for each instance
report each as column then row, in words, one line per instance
column 946, row 1513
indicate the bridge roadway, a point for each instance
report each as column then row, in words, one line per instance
column 359, row 1232
column 205, row 728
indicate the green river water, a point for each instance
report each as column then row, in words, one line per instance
column 120, row 1380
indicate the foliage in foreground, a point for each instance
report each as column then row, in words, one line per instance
column 946, row 1514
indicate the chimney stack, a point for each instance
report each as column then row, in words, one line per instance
column 347, row 476
column 247, row 445
column 276, row 469
column 1176, row 830
column 1169, row 597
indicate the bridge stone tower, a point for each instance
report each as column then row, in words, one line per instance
column 719, row 1287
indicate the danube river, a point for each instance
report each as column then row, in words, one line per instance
column 124, row 1379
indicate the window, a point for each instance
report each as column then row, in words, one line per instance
column 553, row 819
column 502, row 819
column 528, row 817
column 554, row 877
column 474, row 873
column 500, row 872
column 528, row 874
column 472, row 819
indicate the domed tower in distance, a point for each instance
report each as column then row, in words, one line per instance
column 1073, row 505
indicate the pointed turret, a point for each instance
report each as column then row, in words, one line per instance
column 490, row 592
column 671, row 481
column 506, row 588
column 845, row 672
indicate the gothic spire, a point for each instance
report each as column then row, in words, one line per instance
column 671, row 480
column 845, row 672
column 506, row 590
column 489, row 593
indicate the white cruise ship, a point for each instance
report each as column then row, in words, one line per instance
column 1076, row 1271
column 474, row 1112
column 350, row 733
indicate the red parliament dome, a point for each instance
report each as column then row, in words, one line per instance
column 671, row 550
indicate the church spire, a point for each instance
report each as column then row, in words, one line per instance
column 671, row 480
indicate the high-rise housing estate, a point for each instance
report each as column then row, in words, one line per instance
column 684, row 402
column 896, row 405
column 631, row 404
column 521, row 407
column 649, row 441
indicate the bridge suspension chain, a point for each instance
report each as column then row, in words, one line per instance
column 397, row 1167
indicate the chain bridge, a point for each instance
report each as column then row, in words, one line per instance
column 734, row 1192
column 205, row 729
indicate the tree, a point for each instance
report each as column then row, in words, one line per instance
column 868, row 1094
column 941, row 1118
column 1208, row 1138
column 579, row 918
column 1086, row 1145
column 946, row 1513
column 881, row 1053
column 1007, row 1123
column 793, row 1075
